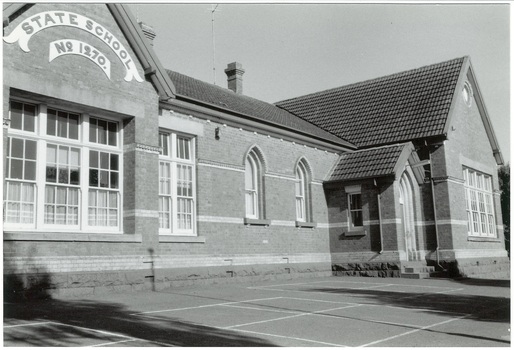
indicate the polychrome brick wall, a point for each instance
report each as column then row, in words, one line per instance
column 469, row 146
column 221, row 196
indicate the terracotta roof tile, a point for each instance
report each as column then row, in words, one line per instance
column 391, row 109
column 375, row 162
column 224, row 98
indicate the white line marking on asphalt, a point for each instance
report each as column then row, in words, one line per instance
column 202, row 306
column 417, row 309
column 286, row 317
column 319, row 300
column 113, row 334
column 448, row 291
column 414, row 331
column 344, row 282
column 27, row 324
column 111, row 343
column 380, row 286
column 261, row 309
column 294, row 338
column 289, row 284
column 93, row 330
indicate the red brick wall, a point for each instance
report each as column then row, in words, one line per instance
column 467, row 145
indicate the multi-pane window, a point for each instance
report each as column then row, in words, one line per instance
column 103, row 132
column 104, row 175
column 176, row 184
column 23, row 116
column 479, row 203
column 302, row 192
column 20, row 189
column 252, row 185
column 62, row 185
column 355, row 206
column 62, row 124
column 165, row 195
column 65, row 163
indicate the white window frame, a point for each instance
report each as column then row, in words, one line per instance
column 303, row 198
column 42, row 139
column 479, row 199
column 173, row 161
column 253, row 193
column 351, row 191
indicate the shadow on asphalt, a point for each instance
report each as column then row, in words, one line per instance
column 480, row 308
column 109, row 317
column 484, row 282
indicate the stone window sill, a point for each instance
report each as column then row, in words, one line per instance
column 180, row 239
column 305, row 224
column 256, row 222
column 483, row 239
column 72, row 237
column 356, row 233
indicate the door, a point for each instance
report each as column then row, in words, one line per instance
column 409, row 228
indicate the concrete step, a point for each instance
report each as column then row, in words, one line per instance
column 415, row 269
column 418, row 275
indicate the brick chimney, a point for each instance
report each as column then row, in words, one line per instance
column 148, row 32
column 234, row 74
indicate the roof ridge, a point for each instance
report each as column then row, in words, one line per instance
column 236, row 95
column 201, row 81
column 260, row 108
column 372, row 80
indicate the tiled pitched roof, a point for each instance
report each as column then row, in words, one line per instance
column 375, row 162
column 396, row 108
column 228, row 100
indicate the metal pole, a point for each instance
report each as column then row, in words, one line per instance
column 213, row 45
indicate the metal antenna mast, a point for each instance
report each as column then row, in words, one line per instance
column 213, row 44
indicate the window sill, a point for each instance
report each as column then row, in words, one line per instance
column 355, row 233
column 256, row 222
column 483, row 239
column 180, row 239
column 305, row 224
column 72, row 237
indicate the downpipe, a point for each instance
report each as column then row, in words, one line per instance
column 435, row 215
column 379, row 200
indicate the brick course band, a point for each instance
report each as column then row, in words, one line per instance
column 141, row 147
column 219, row 165
column 141, row 213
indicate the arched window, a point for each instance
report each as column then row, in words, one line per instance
column 253, row 190
column 301, row 192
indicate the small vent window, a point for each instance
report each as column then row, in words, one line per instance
column 467, row 93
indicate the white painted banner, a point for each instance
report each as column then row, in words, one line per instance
column 75, row 47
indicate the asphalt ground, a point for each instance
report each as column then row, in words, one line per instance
column 333, row 311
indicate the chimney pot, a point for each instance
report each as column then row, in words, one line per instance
column 234, row 74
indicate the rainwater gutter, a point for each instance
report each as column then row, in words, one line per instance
column 379, row 197
column 435, row 214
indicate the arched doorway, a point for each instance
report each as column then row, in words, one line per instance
column 409, row 227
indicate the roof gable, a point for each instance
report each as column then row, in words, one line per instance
column 385, row 161
column 126, row 23
column 396, row 108
column 468, row 74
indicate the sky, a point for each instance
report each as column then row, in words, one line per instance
column 289, row 50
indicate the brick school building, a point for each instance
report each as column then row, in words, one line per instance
column 122, row 175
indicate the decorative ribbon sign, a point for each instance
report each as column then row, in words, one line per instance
column 75, row 47
column 32, row 25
